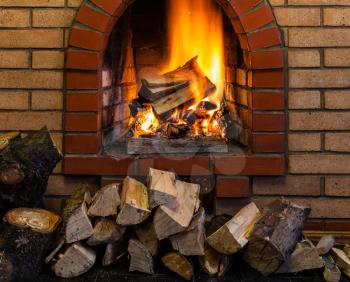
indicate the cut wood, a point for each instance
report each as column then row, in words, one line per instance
column 147, row 236
column 106, row 231
column 76, row 260
column 325, row 244
column 6, row 138
column 174, row 130
column 24, row 243
column 176, row 216
column 191, row 241
column 134, row 203
column 234, row 235
column 106, row 201
column 346, row 250
column 115, row 251
column 275, row 236
column 342, row 260
column 214, row 263
column 178, row 264
column 331, row 272
column 140, row 258
column 304, row 257
column 161, row 185
column 215, row 223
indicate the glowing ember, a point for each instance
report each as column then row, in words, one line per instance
column 146, row 122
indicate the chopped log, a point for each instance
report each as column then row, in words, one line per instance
column 346, row 250
column 304, row 257
column 325, row 244
column 275, row 236
column 24, row 242
column 174, row 130
column 331, row 271
column 25, row 166
column 191, row 241
column 140, row 258
column 6, row 138
column 214, row 263
column 106, row 201
column 161, row 185
column 106, row 231
column 134, row 203
column 342, row 260
column 215, row 223
column 178, row 264
column 115, row 251
column 175, row 216
column 234, row 235
column 76, row 260
column 147, row 236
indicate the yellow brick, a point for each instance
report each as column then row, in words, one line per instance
column 337, row 186
column 299, row 142
column 319, row 120
column 32, row 3
column 276, row 2
column 66, row 37
column 318, row 2
column 298, row 16
column 38, row 38
column 337, row 142
column 48, row 59
column 337, row 99
column 74, row 3
column 13, row 100
column 53, row 17
column 31, row 79
column 14, row 18
column 47, row 100
column 30, row 120
column 14, row 59
column 304, row 99
column 304, row 58
column 319, row 37
column 337, row 57
column 336, row 16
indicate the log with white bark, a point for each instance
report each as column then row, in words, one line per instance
column 147, row 236
column 176, row 216
column 191, row 241
column 134, row 203
column 76, row 260
column 234, row 234
column 214, row 263
column 178, row 264
column 106, row 201
column 342, row 260
column 161, row 185
column 140, row 257
column 331, row 272
column 275, row 236
column 115, row 251
column 106, row 231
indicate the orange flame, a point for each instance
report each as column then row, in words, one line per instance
column 146, row 122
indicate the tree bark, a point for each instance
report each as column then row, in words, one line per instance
column 214, row 263
column 146, row 234
column 178, row 264
column 140, row 258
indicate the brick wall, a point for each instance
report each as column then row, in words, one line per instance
column 33, row 37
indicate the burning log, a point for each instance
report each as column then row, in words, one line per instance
column 178, row 264
column 76, row 260
column 134, row 203
column 177, row 130
column 115, row 251
column 325, row 244
column 342, row 261
column 25, row 166
column 140, row 258
column 147, row 236
column 175, row 216
column 153, row 91
column 331, row 271
column 106, row 201
column 275, row 236
column 214, row 263
column 24, row 242
column 234, row 235
column 106, row 231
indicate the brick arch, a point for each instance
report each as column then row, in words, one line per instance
column 263, row 77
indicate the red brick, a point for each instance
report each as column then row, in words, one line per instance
column 268, row 143
column 82, row 102
column 268, row 100
column 257, row 18
column 98, row 165
column 266, row 79
column 264, row 38
column 237, row 26
column 92, row 18
column 243, row 41
column 241, row 6
column 110, row 180
column 267, row 59
column 268, row 122
column 83, row 144
column 315, row 225
column 82, row 122
column 337, row 225
column 87, row 39
column 237, row 187
column 112, row 7
column 80, row 80
column 82, row 60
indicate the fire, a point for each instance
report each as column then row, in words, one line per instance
column 146, row 122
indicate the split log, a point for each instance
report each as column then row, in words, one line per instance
column 214, row 263
column 216, row 223
column 191, row 241
column 106, row 201
column 346, row 250
column 134, row 203
column 178, row 264
column 275, row 236
column 342, row 260
column 106, row 231
column 140, row 258
column 325, row 244
column 161, row 185
column 24, row 242
column 153, row 92
column 25, row 166
column 115, row 251
column 234, row 235
column 147, row 236
column 6, row 138
column 304, row 257
column 76, row 260
column 174, row 130
column 331, row 271
column 175, row 217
